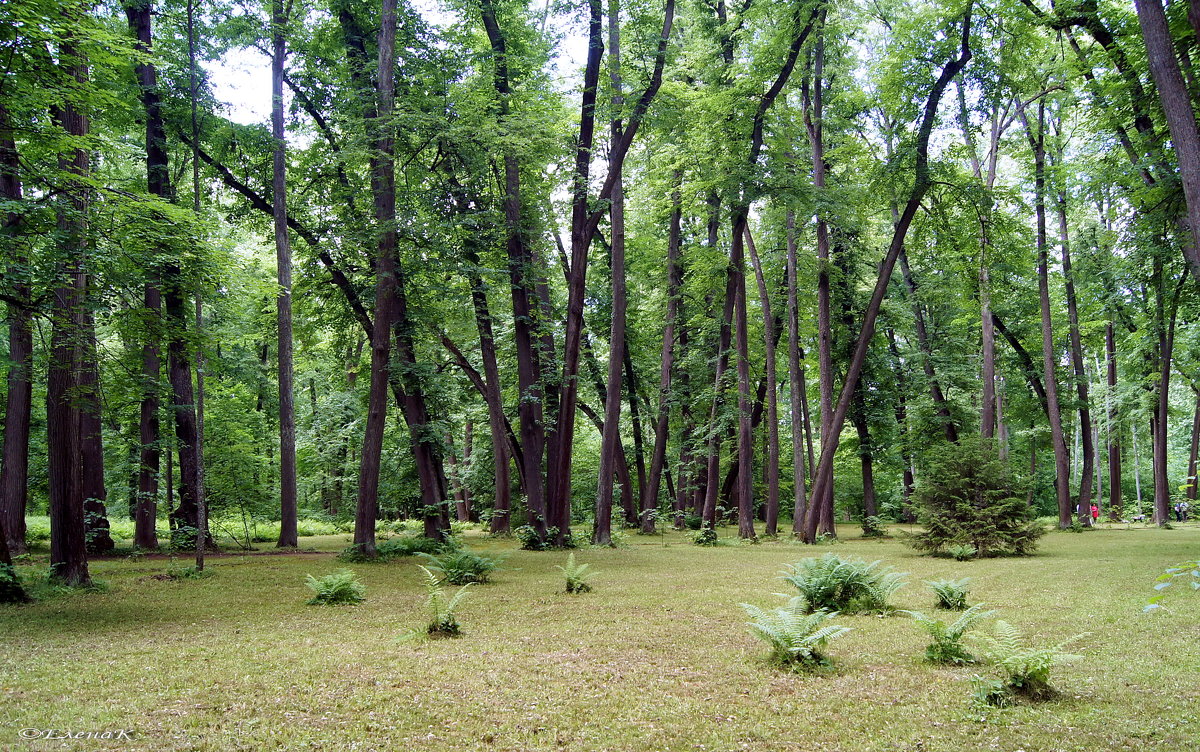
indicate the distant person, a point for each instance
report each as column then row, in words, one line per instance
column 1181, row 511
column 1095, row 513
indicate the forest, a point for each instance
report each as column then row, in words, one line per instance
column 606, row 277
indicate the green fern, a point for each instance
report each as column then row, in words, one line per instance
column 339, row 588
column 796, row 638
column 443, row 616
column 831, row 583
column 951, row 594
column 577, row 576
column 947, row 647
column 1026, row 670
column 461, row 567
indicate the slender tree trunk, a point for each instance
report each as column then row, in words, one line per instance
column 1116, row 504
column 663, row 419
column 648, row 507
column 769, row 340
column 288, row 537
column 935, row 388
column 1166, row 346
column 14, row 470
column 1049, row 351
column 91, row 435
column 906, row 513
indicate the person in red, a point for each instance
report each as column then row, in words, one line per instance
column 1095, row 513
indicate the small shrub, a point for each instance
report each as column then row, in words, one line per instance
column 693, row 521
column 531, row 541
column 1026, row 670
column 951, row 595
column 178, row 572
column 704, row 537
column 873, row 527
column 969, row 496
column 990, row 692
column 947, row 647
column 398, row 546
column 961, row 552
column 851, row 586
column 37, row 530
column 796, row 638
column 1167, row 578
column 577, row 576
column 461, row 567
column 339, row 588
column 443, row 611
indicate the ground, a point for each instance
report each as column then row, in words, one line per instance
column 656, row 658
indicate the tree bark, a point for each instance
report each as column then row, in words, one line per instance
column 769, row 339
column 91, row 435
column 14, row 470
column 666, row 369
column 288, row 537
column 795, row 383
column 1116, row 504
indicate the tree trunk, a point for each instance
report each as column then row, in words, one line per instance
column 1116, row 504
column 935, row 387
column 14, row 470
column 795, row 383
column 1195, row 449
column 91, row 438
column 663, row 418
column 288, row 537
column 1049, row 352
column 769, row 340
column 1181, row 119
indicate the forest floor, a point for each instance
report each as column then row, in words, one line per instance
column 656, row 658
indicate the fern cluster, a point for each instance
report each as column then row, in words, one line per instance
column 951, row 595
column 873, row 527
column 947, row 647
column 1026, row 670
column 577, row 576
column 443, row 616
column 796, row 638
column 832, row 583
column 461, row 567
column 339, row 588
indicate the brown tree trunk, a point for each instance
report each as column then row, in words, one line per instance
column 1181, row 118
column 91, row 436
column 288, row 537
column 14, row 470
column 1049, row 352
column 906, row 511
column 745, row 432
column 935, row 387
column 769, row 340
column 795, row 383
column 68, row 554
column 663, row 418
column 823, row 478
column 1194, row 450
column 1116, row 504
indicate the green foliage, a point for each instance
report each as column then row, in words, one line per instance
column 577, row 576
column 850, row 585
column 1167, row 579
column 461, row 567
column 531, row 541
column 443, row 610
column 951, row 594
column 693, row 521
column 961, row 552
column 968, row 496
column 339, row 588
column 190, row 572
column 947, row 647
column 399, row 546
column 704, row 537
column 1025, row 670
column 873, row 527
column 796, row 637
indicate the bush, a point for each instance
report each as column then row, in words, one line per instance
column 704, row 537
column 1026, row 671
column 443, row 611
column 530, row 541
column 693, row 521
column 969, row 496
column 577, row 576
column 873, row 527
column 340, row 588
column 178, row 572
column 951, row 594
column 37, row 530
column 961, row 552
column 460, row 567
column 398, row 546
column 947, row 647
column 1165, row 580
column 850, row 586
column 796, row 638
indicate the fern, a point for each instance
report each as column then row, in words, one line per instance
column 443, row 616
column 340, row 588
column 796, row 638
column 962, row 552
column 831, row 583
column 1026, row 670
column 951, row 594
column 461, row 567
column 577, row 576
column 947, row 647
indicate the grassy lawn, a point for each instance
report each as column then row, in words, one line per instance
column 657, row 658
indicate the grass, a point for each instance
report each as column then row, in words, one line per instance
column 658, row 659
